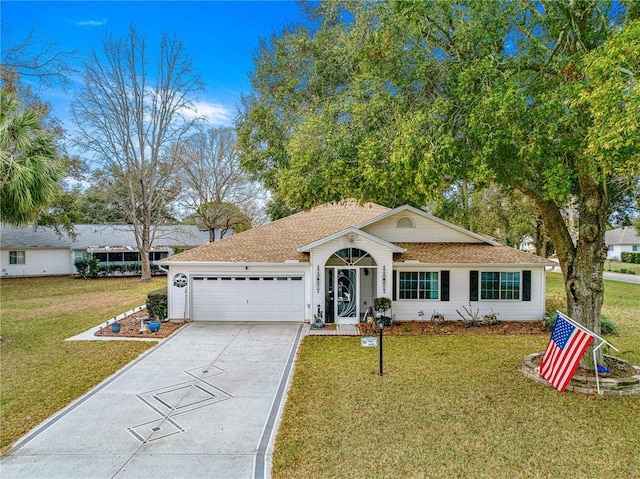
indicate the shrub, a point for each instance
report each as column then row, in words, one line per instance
column 630, row 257
column 381, row 305
column 625, row 271
column 88, row 268
column 606, row 325
column 156, row 271
column 157, row 303
column 555, row 302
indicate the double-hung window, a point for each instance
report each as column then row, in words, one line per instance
column 418, row 285
column 500, row 285
column 16, row 257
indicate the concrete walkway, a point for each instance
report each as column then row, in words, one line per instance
column 204, row 403
column 341, row 330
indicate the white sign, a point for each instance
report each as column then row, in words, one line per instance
column 369, row 342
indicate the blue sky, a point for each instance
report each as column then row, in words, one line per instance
column 220, row 36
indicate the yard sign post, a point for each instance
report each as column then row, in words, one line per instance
column 595, row 350
column 380, row 327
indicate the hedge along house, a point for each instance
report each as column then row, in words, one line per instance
column 41, row 251
column 336, row 258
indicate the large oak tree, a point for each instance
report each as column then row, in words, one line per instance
column 395, row 101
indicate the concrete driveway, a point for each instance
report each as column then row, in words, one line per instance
column 204, row 403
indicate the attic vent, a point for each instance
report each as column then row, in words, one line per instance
column 405, row 222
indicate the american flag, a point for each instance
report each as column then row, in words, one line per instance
column 564, row 352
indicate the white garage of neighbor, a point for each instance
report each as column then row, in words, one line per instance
column 335, row 259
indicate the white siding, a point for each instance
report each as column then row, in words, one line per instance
column 516, row 310
column 425, row 231
column 38, row 262
column 618, row 249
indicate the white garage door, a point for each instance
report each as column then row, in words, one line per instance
column 247, row 298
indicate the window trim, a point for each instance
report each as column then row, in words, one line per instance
column 500, row 284
column 17, row 257
column 433, row 281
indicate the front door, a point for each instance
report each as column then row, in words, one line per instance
column 346, row 299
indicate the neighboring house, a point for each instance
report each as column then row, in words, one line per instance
column 338, row 257
column 40, row 251
column 621, row 240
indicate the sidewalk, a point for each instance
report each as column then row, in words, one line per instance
column 341, row 330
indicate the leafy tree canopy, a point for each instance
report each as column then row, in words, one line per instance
column 393, row 101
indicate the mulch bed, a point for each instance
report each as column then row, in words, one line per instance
column 417, row 328
column 130, row 327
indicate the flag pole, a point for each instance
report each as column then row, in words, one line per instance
column 595, row 350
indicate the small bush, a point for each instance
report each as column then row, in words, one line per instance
column 630, row 257
column 554, row 303
column 606, row 325
column 157, row 303
column 381, row 305
column 88, row 268
column 625, row 271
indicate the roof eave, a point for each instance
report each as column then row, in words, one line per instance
column 231, row 263
column 307, row 248
column 473, row 265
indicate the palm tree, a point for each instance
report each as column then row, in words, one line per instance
column 30, row 168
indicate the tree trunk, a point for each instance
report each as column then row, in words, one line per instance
column 540, row 239
column 145, row 246
column 582, row 264
column 212, row 235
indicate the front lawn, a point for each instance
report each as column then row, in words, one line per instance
column 620, row 267
column 40, row 371
column 454, row 406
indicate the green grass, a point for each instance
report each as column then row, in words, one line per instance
column 616, row 266
column 40, row 371
column 455, row 407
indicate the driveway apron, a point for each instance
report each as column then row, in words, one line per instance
column 204, row 403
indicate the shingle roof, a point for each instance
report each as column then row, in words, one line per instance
column 279, row 241
column 95, row 236
column 466, row 253
column 624, row 235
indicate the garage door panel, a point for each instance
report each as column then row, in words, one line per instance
column 265, row 298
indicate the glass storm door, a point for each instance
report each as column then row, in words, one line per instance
column 346, row 293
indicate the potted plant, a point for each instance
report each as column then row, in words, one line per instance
column 115, row 327
column 317, row 319
column 382, row 305
column 154, row 325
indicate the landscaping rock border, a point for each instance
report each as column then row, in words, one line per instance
column 609, row 386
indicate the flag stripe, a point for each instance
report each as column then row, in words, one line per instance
column 564, row 351
column 568, row 362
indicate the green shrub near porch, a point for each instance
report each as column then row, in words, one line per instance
column 157, row 303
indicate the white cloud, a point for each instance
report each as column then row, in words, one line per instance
column 215, row 113
column 92, row 23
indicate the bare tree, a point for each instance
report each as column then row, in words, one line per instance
column 215, row 188
column 129, row 114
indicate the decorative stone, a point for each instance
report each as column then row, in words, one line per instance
column 587, row 385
